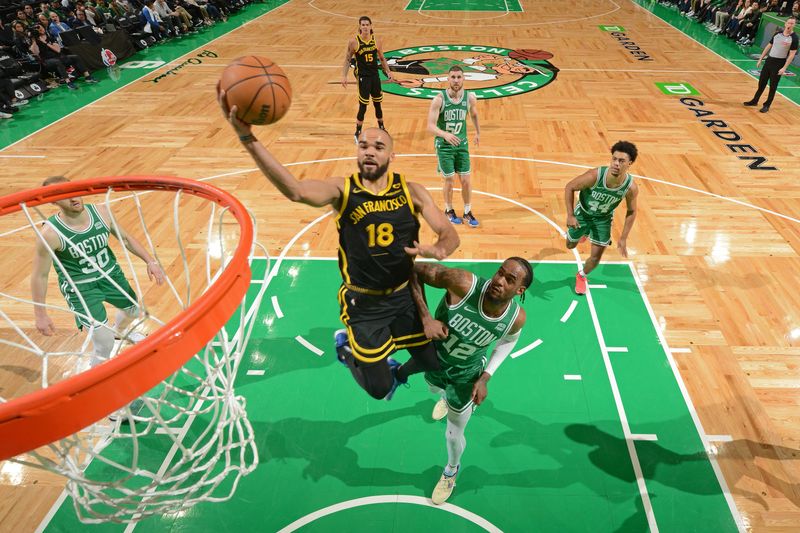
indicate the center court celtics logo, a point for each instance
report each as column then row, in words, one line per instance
column 489, row 71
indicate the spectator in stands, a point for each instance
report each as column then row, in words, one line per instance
column 179, row 20
column 733, row 24
column 796, row 10
column 23, row 42
column 99, row 12
column 42, row 19
column 703, row 11
column 749, row 26
column 81, row 19
column 56, row 26
column 55, row 60
column 722, row 15
column 198, row 12
column 23, row 18
column 154, row 25
column 28, row 9
column 9, row 103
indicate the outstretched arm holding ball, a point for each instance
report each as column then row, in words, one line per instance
column 316, row 193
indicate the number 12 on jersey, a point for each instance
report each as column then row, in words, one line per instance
column 456, row 349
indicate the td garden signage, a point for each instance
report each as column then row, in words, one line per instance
column 489, row 71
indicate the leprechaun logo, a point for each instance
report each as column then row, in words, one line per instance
column 489, row 71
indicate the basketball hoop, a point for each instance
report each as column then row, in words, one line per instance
column 183, row 371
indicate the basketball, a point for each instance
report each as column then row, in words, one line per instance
column 258, row 88
column 528, row 53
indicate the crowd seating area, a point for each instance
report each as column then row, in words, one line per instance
column 737, row 20
column 46, row 45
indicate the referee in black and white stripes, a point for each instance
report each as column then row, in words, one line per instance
column 779, row 52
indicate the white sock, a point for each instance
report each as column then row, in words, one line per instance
column 454, row 434
column 450, row 470
column 124, row 318
column 436, row 390
column 102, row 344
column 467, row 208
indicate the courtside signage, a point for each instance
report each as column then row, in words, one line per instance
column 618, row 33
column 489, row 71
column 719, row 128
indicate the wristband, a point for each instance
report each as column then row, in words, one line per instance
column 249, row 138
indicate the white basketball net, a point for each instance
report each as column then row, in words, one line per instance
column 188, row 440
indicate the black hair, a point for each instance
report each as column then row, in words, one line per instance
column 626, row 148
column 528, row 279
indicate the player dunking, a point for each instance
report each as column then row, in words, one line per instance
column 447, row 120
column 473, row 314
column 78, row 237
column 601, row 191
column 367, row 51
column 376, row 215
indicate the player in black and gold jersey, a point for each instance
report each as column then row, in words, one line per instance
column 367, row 51
column 377, row 218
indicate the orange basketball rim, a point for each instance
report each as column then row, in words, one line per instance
column 70, row 405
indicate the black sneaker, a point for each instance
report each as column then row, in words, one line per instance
column 764, row 108
column 452, row 217
column 470, row 220
column 751, row 103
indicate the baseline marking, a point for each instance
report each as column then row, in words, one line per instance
column 617, row 349
column 461, row 25
column 309, row 346
column 719, row 438
column 644, row 436
column 573, row 377
column 568, row 314
column 277, row 307
column 526, row 349
column 399, row 498
column 737, row 517
column 256, row 372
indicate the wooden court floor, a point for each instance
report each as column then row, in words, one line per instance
column 715, row 244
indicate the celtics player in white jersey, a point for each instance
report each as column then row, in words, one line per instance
column 601, row 190
column 473, row 314
column 447, row 120
column 78, row 236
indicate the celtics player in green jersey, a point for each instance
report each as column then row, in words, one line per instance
column 88, row 273
column 601, row 190
column 473, row 314
column 447, row 120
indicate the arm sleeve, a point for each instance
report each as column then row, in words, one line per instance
column 505, row 345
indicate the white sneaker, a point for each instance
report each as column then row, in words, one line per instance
column 439, row 410
column 133, row 337
column 5, row 115
column 444, row 488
